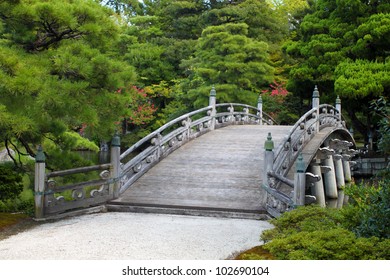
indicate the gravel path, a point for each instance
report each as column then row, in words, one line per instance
column 115, row 236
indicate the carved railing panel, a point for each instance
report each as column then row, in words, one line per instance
column 301, row 133
column 60, row 197
column 236, row 113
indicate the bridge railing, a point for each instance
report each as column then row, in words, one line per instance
column 278, row 164
column 151, row 149
column 160, row 143
column 228, row 113
column 301, row 133
column 55, row 198
column 54, row 194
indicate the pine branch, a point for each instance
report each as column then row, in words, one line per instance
column 9, row 152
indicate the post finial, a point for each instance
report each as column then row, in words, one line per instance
column 40, row 156
column 116, row 140
column 338, row 100
column 213, row 92
column 269, row 144
column 316, row 93
column 300, row 165
column 260, row 100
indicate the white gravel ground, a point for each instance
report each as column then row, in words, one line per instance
column 120, row 236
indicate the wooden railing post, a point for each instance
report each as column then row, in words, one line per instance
column 268, row 157
column 260, row 108
column 338, row 108
column 299, row 182
column 316, row 104
column 39, row 183
column 213, row 102
column 115, row 162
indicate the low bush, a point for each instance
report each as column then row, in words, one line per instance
column 16, row 194
column 315, row 233
column 369, row 210
column 333, row 244
column 11, row 182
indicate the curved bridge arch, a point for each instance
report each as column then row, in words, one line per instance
column 316, row 139
column 171, row 136
column 318, row 145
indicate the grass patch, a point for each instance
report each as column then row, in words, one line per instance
column 9, row 219
column 256, row 253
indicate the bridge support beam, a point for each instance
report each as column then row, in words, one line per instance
column 347, row 170
column 317, row 169
column 339, row 171
column 347, row 155
column 330, row 179
column 340, row 147
column 340, row 199
column 318, row 187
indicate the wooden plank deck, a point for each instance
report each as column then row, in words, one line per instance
column 218, row 172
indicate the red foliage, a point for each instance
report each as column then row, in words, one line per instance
column 141, row 107
column 276, row 89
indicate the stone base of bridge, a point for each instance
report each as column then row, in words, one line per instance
column 190, row 211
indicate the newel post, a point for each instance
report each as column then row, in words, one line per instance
column 299, row 182
column 260, row 109
column 338, row 107
column 39, row 183
column 268, row 157
column 213, row 102
column 316, row 104
column 115, row 162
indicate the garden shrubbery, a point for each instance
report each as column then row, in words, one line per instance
column 359, row 231
column 315, row 233
column 11, row 184
column 15, row 196
column 368, row 212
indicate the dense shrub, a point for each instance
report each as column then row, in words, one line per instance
column 316, row 233
column 303, row 219
column 333, row 244
column 11, row 184
column 370, row 214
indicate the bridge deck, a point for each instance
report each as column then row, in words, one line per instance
column 220, row 171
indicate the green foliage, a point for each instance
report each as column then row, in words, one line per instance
column 59, row 78
column 227, row 58
column 39, row 25
column 371, row 209
column 331, row 244
column 281, row 105
column 256, row 253
column 342, row 46
column 11, row 184
column 382, row 109
column 195, row 44
column 315, row 233
column 309, row 218
column 362, row 78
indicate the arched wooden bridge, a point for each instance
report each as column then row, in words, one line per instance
column 229, row 160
